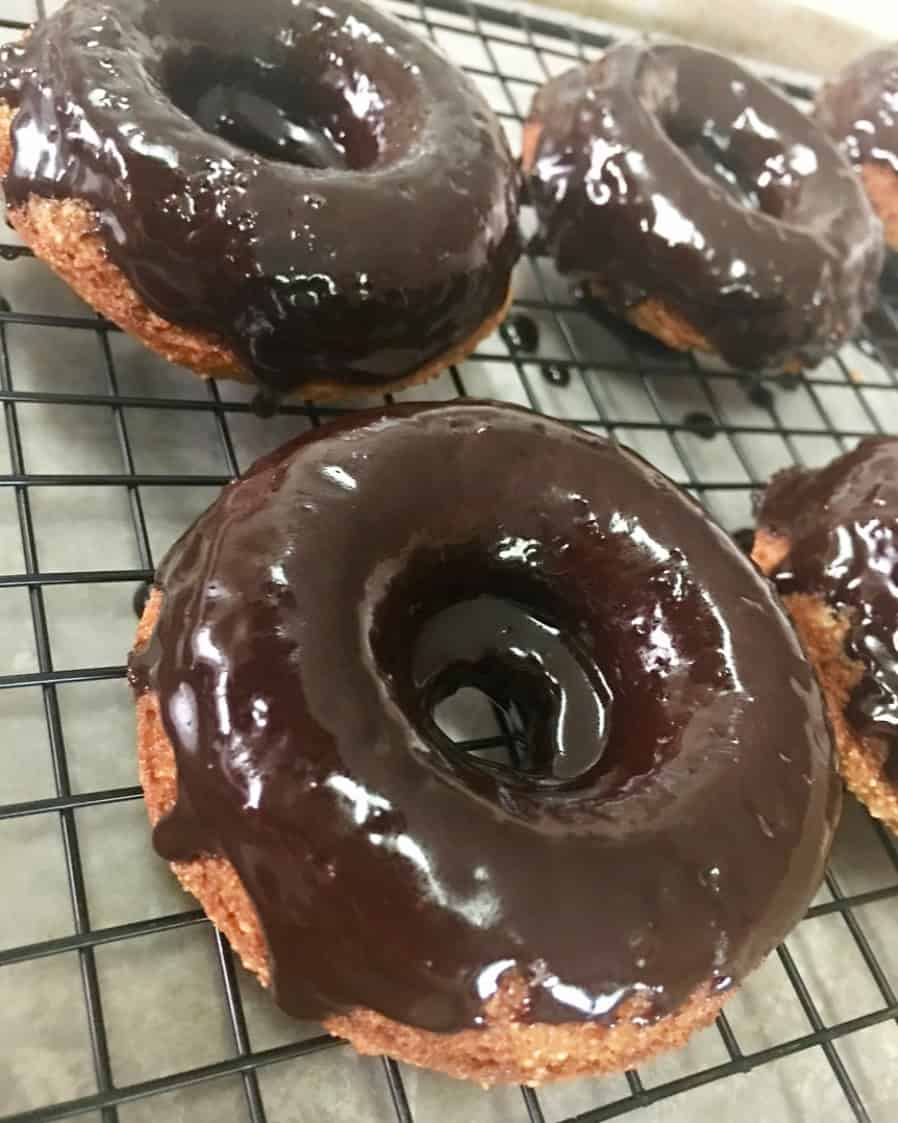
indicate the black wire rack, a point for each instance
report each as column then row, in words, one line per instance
column 717, row 431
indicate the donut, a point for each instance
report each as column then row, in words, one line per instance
column 859, row 110
column 675, row 793
column 294, row 193
column 828, row 537
column 701, row 206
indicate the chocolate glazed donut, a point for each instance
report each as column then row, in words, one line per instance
column 829, row 539
column 676, row 797
column 302, row 193
column 859, row 110
column 701, row 205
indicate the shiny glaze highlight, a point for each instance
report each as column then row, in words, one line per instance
column 842, row 525
column 665, row 171
column 859, row 108
column 670, row 818
column 309, row 182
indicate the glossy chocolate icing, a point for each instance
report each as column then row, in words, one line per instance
column 676, row 797
column 311, row 182
column 842, row 525
column 859, row 108
column 666, row 171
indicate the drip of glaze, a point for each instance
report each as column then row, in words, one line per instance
column 556, row 374
column 788, row 380
column 842, row 526
column 265, row 403
column 522, row 332
column 702, row 424
column 140, row 598
column 314, row 617
column 759, row 394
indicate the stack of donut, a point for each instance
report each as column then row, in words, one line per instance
column 306, row 196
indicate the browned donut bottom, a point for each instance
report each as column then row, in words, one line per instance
column 881, row 184
column 822, row 630
column 507, row 1050
column 655, row 316
column 62, row 234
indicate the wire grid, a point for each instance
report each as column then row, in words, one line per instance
column 718, row 432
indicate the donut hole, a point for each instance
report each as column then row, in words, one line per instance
column 489, row 665
column 276, row 112
column 488, row 718
column 713, row 154
column 550, row 724
column 588, row 689
column 473, row 723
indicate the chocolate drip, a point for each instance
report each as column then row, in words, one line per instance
column 675, row 798
column 311, row 183
column 841, row 522
column 859, row 108
column 668, row 172
column 522, row 332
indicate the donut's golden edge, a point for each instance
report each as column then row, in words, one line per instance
column 822, row 632
column 508, row 1050
column 881, row 185
column 61, row 232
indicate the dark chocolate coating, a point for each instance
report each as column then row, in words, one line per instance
column 859, row 108
column 842, row 525
column 311, row 182
column 665, row 171
column 677, row 796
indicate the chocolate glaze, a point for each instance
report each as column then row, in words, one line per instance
column 842, row 525
column 310, row 182
column 859, row 108
column 701, row 423
column 668, row 171
column 139, row 598
column 676, row 799
column 522, row 332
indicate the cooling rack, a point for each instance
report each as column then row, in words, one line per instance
column 117, row 1000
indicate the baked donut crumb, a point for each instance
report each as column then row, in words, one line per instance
column 823, row 630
